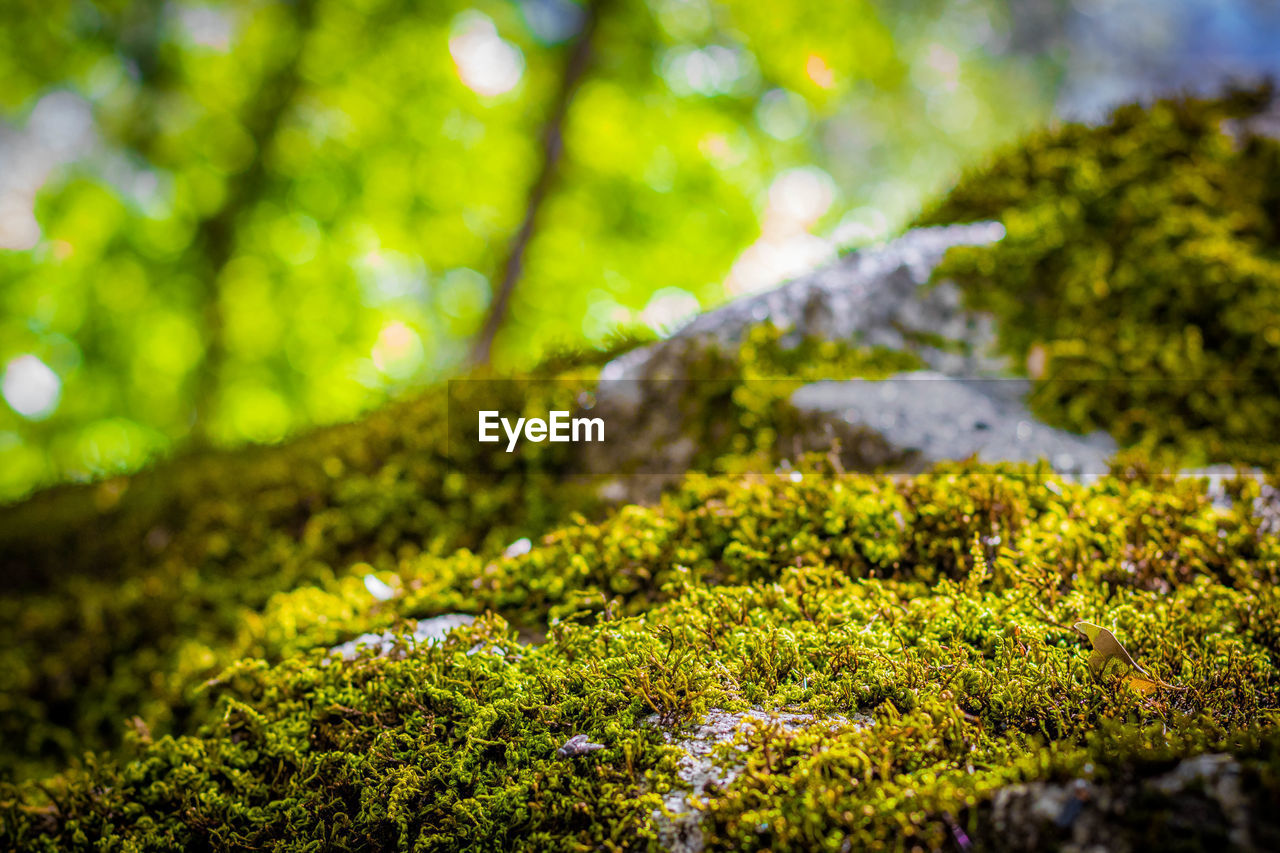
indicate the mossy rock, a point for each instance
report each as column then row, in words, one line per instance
column 896, row 653
column 939, row 605
column 1139, row 277
column 129, row 593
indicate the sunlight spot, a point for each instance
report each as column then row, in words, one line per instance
column 941, row 70
column 669, row 309
column 604, row 317
column 386, row 276
column 487, row 64
column 819, row 72
column 799, row 197
column 31, row 387
column 861, row 227
column 684, row 19
column 518, row 548
column 772, row 260
column 398, row 352
column 943, row 60
column 783, row 115
column 379, row 589
column 207, row 26
column 709, row 71
column 18, row 227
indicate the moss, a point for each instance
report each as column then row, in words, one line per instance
column 127, row 594
column 938, row 603
column 179, row 622
column 127, row 586
column 1139, row 277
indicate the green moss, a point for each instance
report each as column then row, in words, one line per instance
column 127, row 588
column 1139, row 277
column 939, row 603
column 125, row 595
column 179, row 621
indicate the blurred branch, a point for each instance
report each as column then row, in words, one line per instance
column 215, row 237
column 138, row 33
column 575, row 69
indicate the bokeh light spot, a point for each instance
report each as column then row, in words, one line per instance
column 783, row 115
column 801, row 196
column 605, row 316
column 461, row 295
column 206, row 26
column 552, row 21
column 684, row 19
column 398, row 352
column 378, row 588
column 669, row 309
column 817, row 69
column 31, row 388
column 487, row 64
column 709, row 71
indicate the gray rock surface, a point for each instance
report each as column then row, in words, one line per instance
column 941, row 417
column 875, row 296
column 1201, row 803
column 578, row 745
column 427, row 632
column 967, row 404
column 1266, row 509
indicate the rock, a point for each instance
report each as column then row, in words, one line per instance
column 1217, row 776
column 1202, row 803
column 939, row 417
column 1266, row 509
column 428, row 632
column 517, row 548
column 874, row 296
column 577, row 745
column 1218, row 476
column 969, row 405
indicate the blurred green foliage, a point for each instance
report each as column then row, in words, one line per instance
column 289, row 211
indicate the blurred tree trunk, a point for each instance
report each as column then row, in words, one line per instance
column 216, row 235
column 577, row 63
column 139, row 32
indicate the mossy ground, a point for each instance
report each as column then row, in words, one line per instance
column 131, row 592
column 191, row 609
column 941, row 604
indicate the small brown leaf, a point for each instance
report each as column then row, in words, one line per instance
column 1108, row 651
column 1106, row 648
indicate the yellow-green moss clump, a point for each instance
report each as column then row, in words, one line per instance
column 940, row 604
column 122, row 593
column 1140, row 274
column 123, row 596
